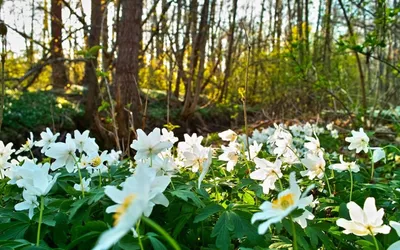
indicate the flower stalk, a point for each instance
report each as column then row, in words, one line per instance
column 351, row 184
column 162, row 232
column 40, row 220
column 294, row 234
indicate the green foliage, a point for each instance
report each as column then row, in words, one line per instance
column 34, row 111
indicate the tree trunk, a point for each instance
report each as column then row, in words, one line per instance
column 59, row 72
column 231, row 41
column 127, row 68
column 90, row 78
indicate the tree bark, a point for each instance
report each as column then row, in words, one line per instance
column 59, row 72
column 127, row 68
column 90, row 79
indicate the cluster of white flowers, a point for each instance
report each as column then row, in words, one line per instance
column 157, row 161
column 191, row 154
column 292, row 145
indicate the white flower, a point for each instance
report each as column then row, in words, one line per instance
column 228, row 135
column 205, row 166
column 189, row 143
column 307, row 215
column 150, row 145
column 6, row 151
column 196, row 158
column 36, row 179
column 315, row 166
column 96, row 163
column 260, row 136
column 84, row 143
column 168, row 136
column 30, row 203
column 139, row 194
column 378, row 154
column 308, row 129
column 359, row 141
column 113, row 157
column 287, row 201
column 231, row 155
column 329, row 126
column 254, row 149
column 64, row 154
column 267, row 172
column 85, row 184
column 4, row 165
column 335, row 133
column 280, row 140
column 365, row 221
column 343, row 166
column 163, row 165
column 48, row 138
column 396, row 226
column 296, row 129
column 28, row 145
column 313, row 145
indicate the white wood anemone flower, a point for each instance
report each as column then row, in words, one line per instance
column 228, row 135
column 139, row 194
column 268, row 172
column 396, row 226
column 367, row 221
column 48, row 138
column 6, row 151
column 287, row 201
column 148, row 146
column 36, row 179
column 345, row 166
column 30, row 203
column 84, row 143
column 64, row 154
column 358, row 141
column 30, row 142
column 315, row 166
column 230, row 155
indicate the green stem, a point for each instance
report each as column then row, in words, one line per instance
column 161, row 231
column 139, row 237
column 294, row 234
column 327, row 183
column 80, row 175
column 215, row 185
column 280, row 182
column 100, row 179
column 375, row 241
column 391, row 146
column 351, row 184
column 373, row 165
column 40, row 220
column 33, row 157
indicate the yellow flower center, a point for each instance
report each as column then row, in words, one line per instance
column 96, row 161
column 122, row 208
column 232, row 156
column 283, row 202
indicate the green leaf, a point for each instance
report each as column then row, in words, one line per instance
column 83, row 238
column 157, row 245
column 13, row 230
column 96, row 195
column 207, row 212
column 221, row 230
column 186, row 195
column 76, row 206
